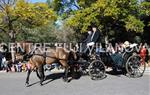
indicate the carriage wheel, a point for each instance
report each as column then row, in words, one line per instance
column 134, row 66
column 97, row 70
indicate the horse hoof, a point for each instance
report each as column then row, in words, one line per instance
column 27, row 84
column 65, row 80
column 45, row 78
column 41, row 84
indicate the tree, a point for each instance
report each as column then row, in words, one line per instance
column 7, row 17
column 145, row 16
column 145, row 9
column 18, row 13
column 63, row 7
column 111, row 16
column 85, row 3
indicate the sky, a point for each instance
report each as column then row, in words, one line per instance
column 37, row 1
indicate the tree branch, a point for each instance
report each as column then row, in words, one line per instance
column 2, row 7
column 3, row 2
column 7, row 1
column 13, row 2
column 14, row 19
column 3, row 29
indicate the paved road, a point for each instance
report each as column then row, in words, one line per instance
column 14, row 84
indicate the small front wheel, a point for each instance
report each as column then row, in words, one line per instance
column 97, row 70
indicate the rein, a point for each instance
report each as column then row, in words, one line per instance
column 48, row 56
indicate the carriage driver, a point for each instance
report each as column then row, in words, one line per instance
column 93, row 38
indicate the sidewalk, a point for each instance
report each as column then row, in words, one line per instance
column 147, row 70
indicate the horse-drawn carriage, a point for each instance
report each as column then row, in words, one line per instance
column 128, row 62
column 94, row 63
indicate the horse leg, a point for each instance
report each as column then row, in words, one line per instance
column 28, row 75
column 37, row 73
column 41, row 72
column 65, row 78
column 73, row 71
column 64, row 63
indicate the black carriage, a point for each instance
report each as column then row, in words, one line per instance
column 129, row 63
column 89, row 64
column 93, row 66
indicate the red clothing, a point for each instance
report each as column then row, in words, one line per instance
column 143, row 54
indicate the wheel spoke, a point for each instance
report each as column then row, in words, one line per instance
column 134, row 67
column 97, row 70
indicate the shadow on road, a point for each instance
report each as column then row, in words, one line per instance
column 51, row 77
column 32, row 84
column 116, row 73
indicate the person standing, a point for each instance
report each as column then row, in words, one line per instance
column 143, row 54
column 1, row 58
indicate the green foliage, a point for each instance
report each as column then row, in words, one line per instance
column 15, row 16
column 38, row 34
column 134, row 24
column 85, row 3
column 48, row 33
column 145, row 8
column 33, row 15
column 66, row 34
column 56, row 5
column 108, row 13
column 35, row 21
column 4, row 37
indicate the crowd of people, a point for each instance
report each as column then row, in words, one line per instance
column 13, row 67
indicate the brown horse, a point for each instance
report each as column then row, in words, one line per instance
column 38, row 60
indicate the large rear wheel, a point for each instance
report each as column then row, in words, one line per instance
column 97, row 70
column 135, row 67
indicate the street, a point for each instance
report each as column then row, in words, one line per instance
column 14, row 84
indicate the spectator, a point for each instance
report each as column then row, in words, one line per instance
column 24, row 67
column 143, row 54
column 148, row 56
column 1, row 58
column 19, row 67
column 13, row 68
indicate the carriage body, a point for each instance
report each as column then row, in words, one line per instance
column 91, row 65
column 129, row 62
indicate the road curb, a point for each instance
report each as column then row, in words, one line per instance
column 147, row 70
